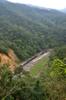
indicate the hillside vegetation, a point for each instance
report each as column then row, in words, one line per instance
column 50, row 85
column 28, row 30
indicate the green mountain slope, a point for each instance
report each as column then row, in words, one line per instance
column 28, row 30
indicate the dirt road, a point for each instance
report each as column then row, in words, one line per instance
column 29, row 65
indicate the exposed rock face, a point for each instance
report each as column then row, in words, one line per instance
column 10, row 59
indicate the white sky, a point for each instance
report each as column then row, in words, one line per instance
column 56, row 4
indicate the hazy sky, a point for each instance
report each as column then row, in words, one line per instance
column 56, row 4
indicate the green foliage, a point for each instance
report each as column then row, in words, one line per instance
column 20, row 87
column 38, row 92
column 58, row 68
column 57, row 62
column 60, row 52
column 28, row 30
column 5, row 80
column 55, row 79
column 50, row 85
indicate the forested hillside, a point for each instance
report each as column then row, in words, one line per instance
column 24, row 32
column 28, row 30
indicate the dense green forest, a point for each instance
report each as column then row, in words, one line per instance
column 28, row 30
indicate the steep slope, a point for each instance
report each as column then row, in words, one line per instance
column 28, row 30
column 9, row 59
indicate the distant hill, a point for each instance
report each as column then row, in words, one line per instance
column 2, row 0
column 64, row 10
column 28, row 30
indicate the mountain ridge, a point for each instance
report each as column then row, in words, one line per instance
column 28, row 30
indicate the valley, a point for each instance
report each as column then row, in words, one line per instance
column 32, row 52
column 27, row 66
